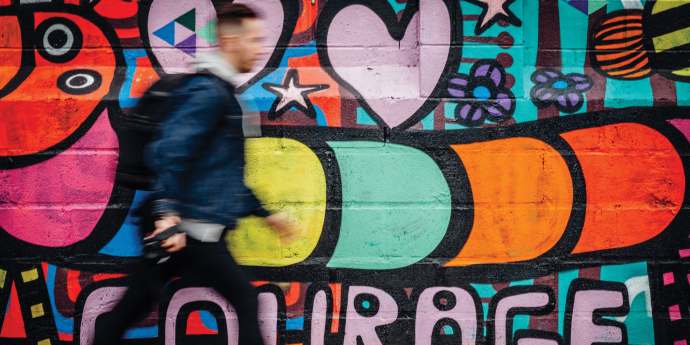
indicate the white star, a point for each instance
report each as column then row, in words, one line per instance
column 292, row 93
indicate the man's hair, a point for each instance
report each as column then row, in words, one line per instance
column 232, row 14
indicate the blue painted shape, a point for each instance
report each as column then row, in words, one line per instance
column 428, row 122
column 208, row 320
column 320, row 117
column 448, row 330
column 481, row 93
column 139, row 333
column 363, row 118
column 366, row 304
column 167, row 33
column 128, row 242
column 564, row 280
column 560, row 84
column 131, row 57
column 294, row 324
column 64, row 324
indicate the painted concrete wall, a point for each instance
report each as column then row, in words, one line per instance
column 468, row 172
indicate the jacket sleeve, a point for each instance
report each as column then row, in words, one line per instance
column 171, row 154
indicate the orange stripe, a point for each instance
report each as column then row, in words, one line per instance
column 638, row 66
column 621, row 64
column 607, row 57
column 127, row 33
column 629, row 25
column 638, row 74
column 618, row 45
column 618, row 19
column 624, row 35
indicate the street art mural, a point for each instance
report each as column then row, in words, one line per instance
column 467, row 172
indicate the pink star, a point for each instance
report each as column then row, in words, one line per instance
column 493, row 11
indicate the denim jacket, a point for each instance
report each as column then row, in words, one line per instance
column 198, row 155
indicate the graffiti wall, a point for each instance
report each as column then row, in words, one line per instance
column 496, row 172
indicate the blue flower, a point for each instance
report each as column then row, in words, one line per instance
column 482, row 95
column 564, row 91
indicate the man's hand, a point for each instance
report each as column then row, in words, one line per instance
column 289, row 227
column 175, row 242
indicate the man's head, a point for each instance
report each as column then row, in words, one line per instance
column 239, row 35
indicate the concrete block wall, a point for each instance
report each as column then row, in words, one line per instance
column 467, row 172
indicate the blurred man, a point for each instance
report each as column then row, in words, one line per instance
column 198, row 156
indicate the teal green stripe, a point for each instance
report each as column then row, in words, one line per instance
column 564, row 280
column 683, row 93
column 573, row 28
column 396, row 205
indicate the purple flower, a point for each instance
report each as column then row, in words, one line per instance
column 482, row 94
column 564, row 91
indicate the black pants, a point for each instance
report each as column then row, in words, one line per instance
column 211, row 264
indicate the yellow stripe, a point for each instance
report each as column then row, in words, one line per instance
column 685, row 72
column 30, row 275
column 663, row 5
column 3, row 274
column 671, row 40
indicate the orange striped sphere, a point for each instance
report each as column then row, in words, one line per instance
column 617, row 46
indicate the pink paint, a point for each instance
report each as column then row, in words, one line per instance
column 683, row 126
column 393, row 77
column 536, row 341
column 680, row 342
column 583, row 331
column 58, row 202
column 674, row 312
column 365, row 327
column 100, row 301
column 668, row 278
column 684, row 253
column 319, row 317
column 527, row 300
column 464, row 313
column 268, row 313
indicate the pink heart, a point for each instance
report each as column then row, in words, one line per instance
column 394, row 78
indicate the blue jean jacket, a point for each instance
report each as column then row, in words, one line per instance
column 198, row 155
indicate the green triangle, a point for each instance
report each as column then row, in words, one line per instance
column 208, row 32
column 188, row 20
column 595, row 5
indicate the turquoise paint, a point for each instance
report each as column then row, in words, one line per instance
column 525, row 282
column 395, row 197
column 640, row 324
column 363, row 118
column 574, row 27
column 484, row 290
column 628, row 93
column 448, row 330
column 366, row 304
column 428, row 122
column 683, row 93
column 560, row 84
column 396, row 6
column 564, row 280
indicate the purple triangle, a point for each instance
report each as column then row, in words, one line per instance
column 580, row 5
column 188, row 45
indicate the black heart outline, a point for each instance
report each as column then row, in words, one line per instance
column 291, row 12
column 397, row 31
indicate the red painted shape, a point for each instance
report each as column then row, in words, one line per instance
column 65, row 336
column 310, row 72
column 308, row 17
column 44, row 265
column 13, row 326
column 635, row 184
column 335, row 288
column 5, row 2
column 72, row 2
column 117, row 9
column 196, row 326
column 73, row 287
column 103, row 276
column 293, row 296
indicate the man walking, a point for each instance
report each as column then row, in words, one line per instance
column 198, row 156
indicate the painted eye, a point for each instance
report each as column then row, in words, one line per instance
column 79, row 81
column 58, row 40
